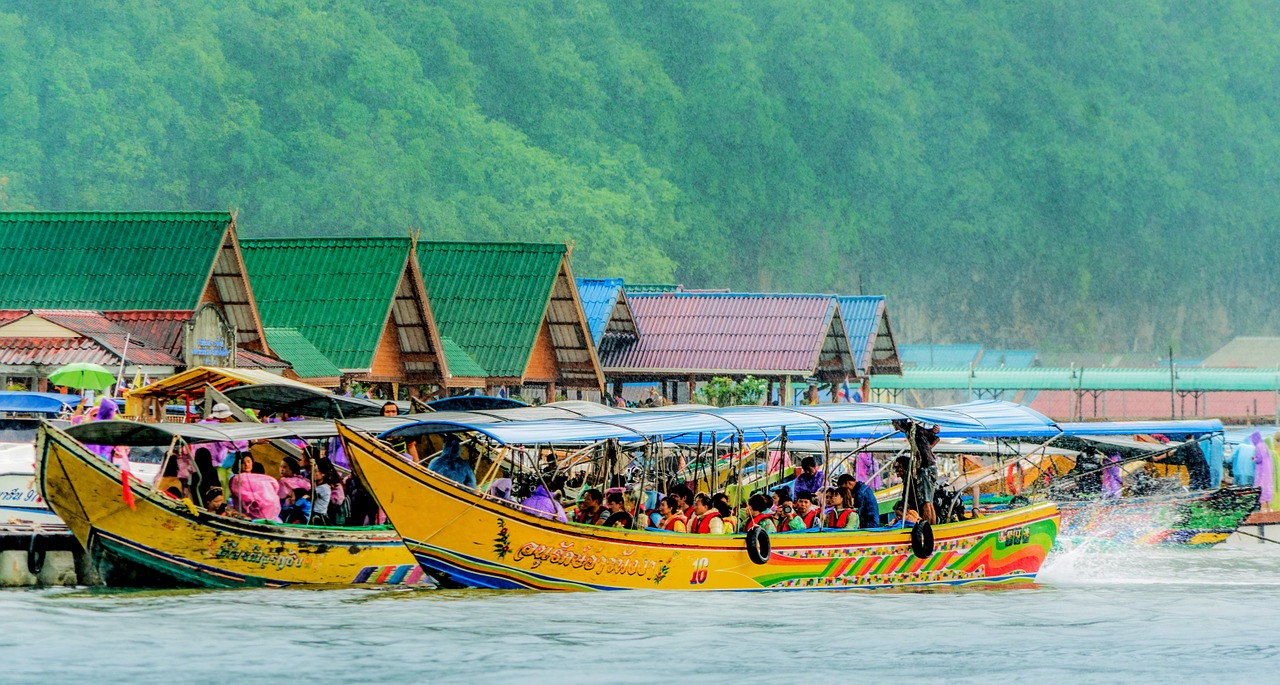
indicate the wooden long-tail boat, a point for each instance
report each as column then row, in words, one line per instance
column 463, row 538
column 160, row 540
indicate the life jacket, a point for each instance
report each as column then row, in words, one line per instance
column 702, row 524
column 755, row 520
column 811, row 517
column 670, row 523
column 838, row 519
column 688, row 513
column 1013, row 478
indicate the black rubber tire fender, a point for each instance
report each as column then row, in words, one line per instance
column 758, row 546
column 922, row 539
column 35, row 557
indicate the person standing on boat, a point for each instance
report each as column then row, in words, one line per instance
column 1262, row 471
column 1112, row 484
column 706, row 519
column 924, row 480
column 1198, row 477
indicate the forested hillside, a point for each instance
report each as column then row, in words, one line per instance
column 1052, row 173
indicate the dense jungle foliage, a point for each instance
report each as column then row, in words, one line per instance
column 1051, row 173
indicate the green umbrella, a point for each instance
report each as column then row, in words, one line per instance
column 83, row 376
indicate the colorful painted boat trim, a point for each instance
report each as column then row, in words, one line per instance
column 464, row 539
column 165, row 540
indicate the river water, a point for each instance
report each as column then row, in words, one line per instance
column 1144, row 615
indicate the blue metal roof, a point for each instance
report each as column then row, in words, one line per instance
column 599, row 298
column 861, row 316
column 1009, row 359
column 939, row 355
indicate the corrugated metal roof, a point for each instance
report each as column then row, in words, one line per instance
column 608, row 311
column 336, row 292
column 731, row 333
column 653, row 288
column 490, row 298
column 111, row 337
column 53, row 352
column 866, row 318
column 248, row 359
column 939, row 356
column 107, row 260
column 307, row 361
column 162, row 329
column 1089, row 379
column 460, row 363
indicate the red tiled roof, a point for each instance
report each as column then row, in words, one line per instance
column 104, row 333
column 248, row 359
column 731, row 333
column 161, row 328
column 11, row 315
column 53, row 352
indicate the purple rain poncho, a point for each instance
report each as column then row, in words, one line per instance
column 1262, row 470
column 1111, row 479
column 543, row 504
column 868, row 471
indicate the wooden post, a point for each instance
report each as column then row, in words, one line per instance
column 693, row 387
column 551, row 392
column 395, row 391
column 785, row 395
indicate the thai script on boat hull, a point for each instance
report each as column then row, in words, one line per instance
column 230, row 549
column 564, row 554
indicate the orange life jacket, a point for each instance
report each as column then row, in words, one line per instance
column 838, row 519
column 702, row 524
column 811, row 517
column 671, row 522
column 755, row 520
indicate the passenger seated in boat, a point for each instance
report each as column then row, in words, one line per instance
column 541, row 503
column 685, row 498
column 840, row 517
column 591, row 511
column 862, row 499
column 706, row 519
column 780, row 496
column 619, row 517
column 810, row 478
column 256, row 494
column 673, row 517
column 720, row 502
column 297, row 508
column 760, row 514
column 785, row 516
column 451, row 465
column 216, row 503
column 898, row 522
column 810, row 514
column 290, row 478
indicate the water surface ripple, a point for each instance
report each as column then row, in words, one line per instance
column 1098, row 616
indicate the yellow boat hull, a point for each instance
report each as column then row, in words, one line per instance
column 465, row 539
column 165, row 541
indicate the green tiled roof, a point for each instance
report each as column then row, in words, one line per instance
column 460, row 363
column 107, row 260
column 336, row 292
column 292, row 346
column 490, row 297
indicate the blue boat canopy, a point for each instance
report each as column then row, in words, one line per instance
column 984, row 418
column 36, row 402
column 1193, row 427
